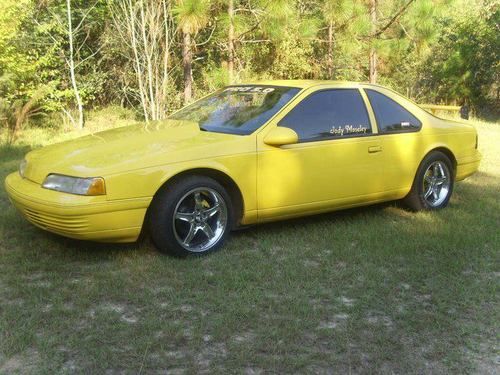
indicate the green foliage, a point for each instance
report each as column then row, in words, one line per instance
column 192, row 15
column 15, row 113
column 465, row 63
column 291, row 59
column 436, row 51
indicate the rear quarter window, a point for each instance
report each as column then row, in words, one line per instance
column 391, row 117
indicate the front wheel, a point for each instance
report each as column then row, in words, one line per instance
column 433, row 184
column 192, row 216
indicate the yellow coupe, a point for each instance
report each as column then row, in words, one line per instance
column 246, row 154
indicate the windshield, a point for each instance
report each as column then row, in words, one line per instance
column 237, row 109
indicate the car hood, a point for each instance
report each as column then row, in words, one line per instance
column 128, row 148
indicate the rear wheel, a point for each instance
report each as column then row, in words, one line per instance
column 433, row 184
column 192, row 216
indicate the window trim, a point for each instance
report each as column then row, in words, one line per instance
column 332, row 137
column 380, row 130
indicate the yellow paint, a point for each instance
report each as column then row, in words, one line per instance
column 276, row 182
column 280, row 136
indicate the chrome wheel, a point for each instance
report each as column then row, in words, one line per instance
column 436, row 184
column 200, row 219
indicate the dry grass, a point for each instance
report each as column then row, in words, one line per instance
column 371, row 290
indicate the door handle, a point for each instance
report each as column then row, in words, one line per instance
column 374, row 149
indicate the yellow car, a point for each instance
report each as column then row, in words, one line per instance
column 246, row 154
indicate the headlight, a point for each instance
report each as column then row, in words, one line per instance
column 22, row 168
column 75, row 185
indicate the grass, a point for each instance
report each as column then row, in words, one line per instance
column 371, row 290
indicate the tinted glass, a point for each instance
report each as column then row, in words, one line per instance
column 329, row 114
column 391, row 117
column 237, row 109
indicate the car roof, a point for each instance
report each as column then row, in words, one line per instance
column 306, row 83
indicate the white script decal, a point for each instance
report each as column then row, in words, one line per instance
column 264, row 90
column 348, row 129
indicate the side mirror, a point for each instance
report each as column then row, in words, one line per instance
column 280, row 136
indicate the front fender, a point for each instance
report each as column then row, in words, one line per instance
column 145, row 182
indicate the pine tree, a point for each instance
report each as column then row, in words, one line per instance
column 192, row 16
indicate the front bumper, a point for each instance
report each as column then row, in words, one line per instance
column 74, row 216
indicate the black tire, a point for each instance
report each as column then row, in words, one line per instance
column 166, row 232
column 416, row 199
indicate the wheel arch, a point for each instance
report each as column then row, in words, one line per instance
column 412, row 199
column 440, row 148
column 221, row 177
column 445, row 150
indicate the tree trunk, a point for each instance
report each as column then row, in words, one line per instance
column 131, row 20
column 149, row 64
column 330, row 50
column 166, row 58
column 373, row 66
column 71, row 63
column 373, row 52
column 230, row 41
column 188, row 70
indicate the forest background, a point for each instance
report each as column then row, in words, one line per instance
column 61, row 60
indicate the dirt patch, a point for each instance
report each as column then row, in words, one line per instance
column 336, row 321
column 124, row 313
column 311, row 264
column 253, row 371
column 186, row 308
column 208, row 353
column 379, row 319
column 487, row 360
column 245, row 337
column 23, row 363
column 349, row 302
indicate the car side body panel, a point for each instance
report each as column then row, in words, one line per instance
column 275, row 182
column 316, row 176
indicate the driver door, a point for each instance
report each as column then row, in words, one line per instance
column 336, row 163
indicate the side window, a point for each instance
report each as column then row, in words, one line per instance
column 329, row 114
column 391, row 117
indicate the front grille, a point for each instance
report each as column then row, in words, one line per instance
column 69, row 224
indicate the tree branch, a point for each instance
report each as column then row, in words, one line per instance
column 209, row 37
column 77, row 28
column 89, row 57
column 255, row 26
column 392, row 20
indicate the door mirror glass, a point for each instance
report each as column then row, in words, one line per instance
column 281, row 136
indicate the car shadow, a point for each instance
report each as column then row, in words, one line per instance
column 340, row 215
